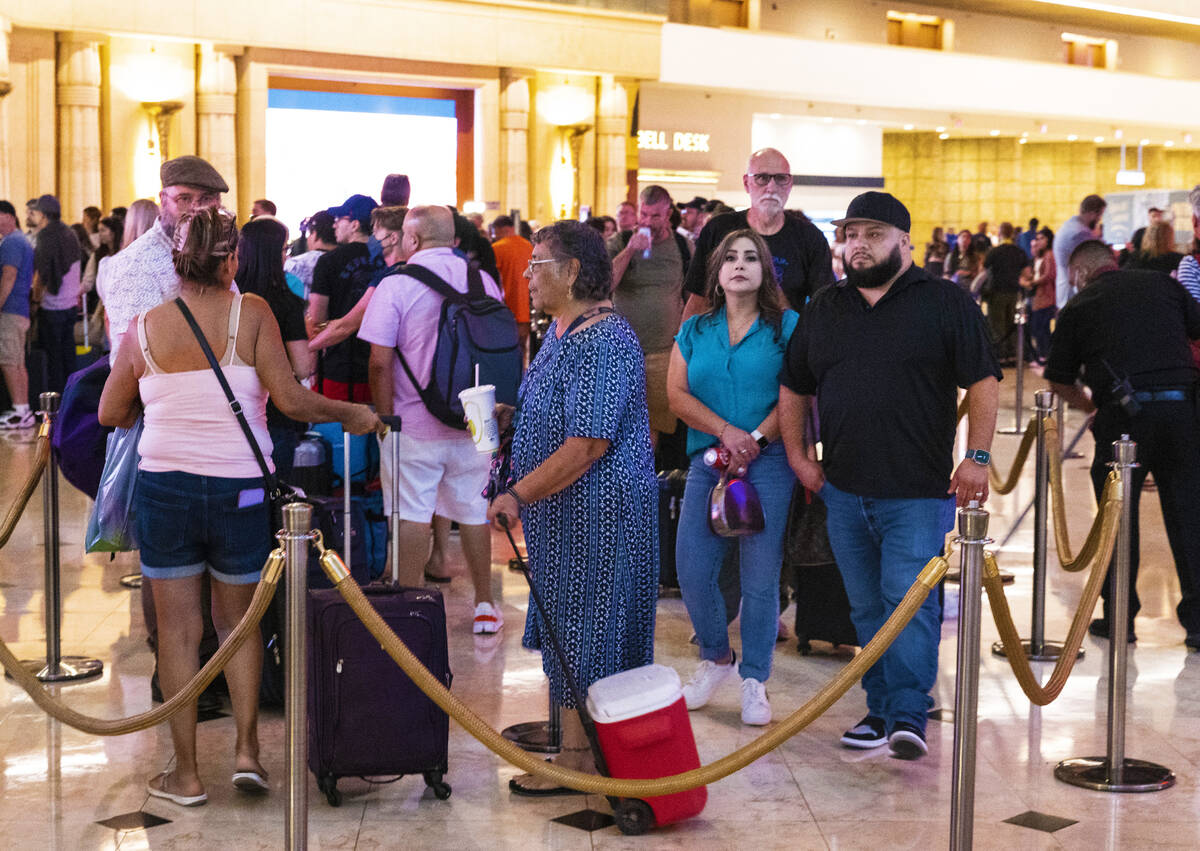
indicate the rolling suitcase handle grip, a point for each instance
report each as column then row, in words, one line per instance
column 393, row 424
column 589, row 726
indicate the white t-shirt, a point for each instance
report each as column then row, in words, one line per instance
column 404, row 313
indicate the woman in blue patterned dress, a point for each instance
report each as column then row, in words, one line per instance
column 584, row 485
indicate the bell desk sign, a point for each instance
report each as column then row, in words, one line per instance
column 656, row 140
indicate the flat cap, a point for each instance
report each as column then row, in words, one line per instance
column 192, row 171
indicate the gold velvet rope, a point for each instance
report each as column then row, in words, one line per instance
column 1003, row 486
column 40, row 458
column 1018, row 660
column 932, row 573
column 1062, row 538
column 247, row 627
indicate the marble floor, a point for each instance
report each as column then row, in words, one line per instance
column 58, row 786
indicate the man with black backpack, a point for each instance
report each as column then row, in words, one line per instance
column 412, row 322
column 649, row 266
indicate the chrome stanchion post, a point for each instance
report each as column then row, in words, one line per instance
column 1116, row 772
column 1019, row 318
column 1037, row 649
column 56, row 668
column 297, row 523
column 972, row 538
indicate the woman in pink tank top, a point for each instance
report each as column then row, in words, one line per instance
column 201, row 499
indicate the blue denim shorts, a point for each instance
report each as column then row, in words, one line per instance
column 188, row 523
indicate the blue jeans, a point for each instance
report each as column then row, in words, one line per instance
column 881, row 546
column 699, row 554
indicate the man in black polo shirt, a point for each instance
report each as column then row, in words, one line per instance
column 800, row 252
column 883, row 353
column 1004, row 264
column 1134, row 326
column 340, row 277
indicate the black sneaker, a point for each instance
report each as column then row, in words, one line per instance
column 1099, row 628
column 907, row 741
column 871, row 732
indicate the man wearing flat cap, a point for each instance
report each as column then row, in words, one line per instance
column 882, row 354
column 143, row 275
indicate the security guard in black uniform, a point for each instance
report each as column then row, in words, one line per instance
column 1129, row 333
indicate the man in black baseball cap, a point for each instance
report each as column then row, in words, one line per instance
column 691, row 215
column 882, row 249
column 885, row 352
column 340, row 278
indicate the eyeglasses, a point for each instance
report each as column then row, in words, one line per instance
column 533, row 263
column 764, row 178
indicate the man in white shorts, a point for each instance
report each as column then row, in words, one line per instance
column 440, row 470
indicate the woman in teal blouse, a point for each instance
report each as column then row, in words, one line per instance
column 723, row 382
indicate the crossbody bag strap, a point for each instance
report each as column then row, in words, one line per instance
column 234, row 404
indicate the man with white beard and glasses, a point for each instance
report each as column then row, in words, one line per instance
column 800, row 252
column 883, row 353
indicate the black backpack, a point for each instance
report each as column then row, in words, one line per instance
column 474, row 329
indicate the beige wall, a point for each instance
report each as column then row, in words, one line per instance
column 961, row 182
column 136, row 71
column 470, row 31
column 974, row 32
column 29, row 113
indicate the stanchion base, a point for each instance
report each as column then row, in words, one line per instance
column 1091, row 772
column 534, row 736
column 69, row 669
column 1051, row 650
column 131, row 580
column 1012, row 430
column 1006, row 578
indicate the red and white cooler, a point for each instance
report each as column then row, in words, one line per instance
column 645, row 733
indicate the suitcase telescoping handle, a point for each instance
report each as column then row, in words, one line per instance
column 589, row 726
column 393, row 424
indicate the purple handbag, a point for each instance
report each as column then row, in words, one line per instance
column 734, row 508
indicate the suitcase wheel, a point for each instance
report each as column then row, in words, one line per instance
column 634, row 817
column 328, row 785
column 804, row 646
column 441, row 789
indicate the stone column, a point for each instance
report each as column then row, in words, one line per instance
column 78, row 102
column 5, row 88
column 216, row 112
column 612, row 115
column 514, row 144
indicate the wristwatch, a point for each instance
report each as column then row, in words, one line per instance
column 980, row 456
column 760, row 439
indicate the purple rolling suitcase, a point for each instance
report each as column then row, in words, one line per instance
column 366, row 718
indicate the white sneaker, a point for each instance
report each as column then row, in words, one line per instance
column 705, row 681
column 487, row 619
column 756, row 711
column 15, row 420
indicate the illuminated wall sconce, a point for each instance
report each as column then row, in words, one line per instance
column 160, row 113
